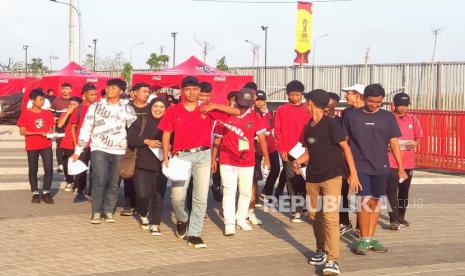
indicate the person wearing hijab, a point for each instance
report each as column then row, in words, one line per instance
column 150, row 183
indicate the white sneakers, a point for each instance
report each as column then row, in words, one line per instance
column 229, row 230
column 144, row 223
column 254, row 220
column 243, row 225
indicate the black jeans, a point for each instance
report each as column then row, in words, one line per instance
column 344, row 213
column 150, row 190
column 59, row 152
column 281, row 184
column 67, row 154
column 33, row 162
column 129, row 193
column 397, row 194
column 80, row 180
column 295, row 184
column 273, row 175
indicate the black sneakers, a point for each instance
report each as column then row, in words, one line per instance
column 394, row 226
column 196, row 242
column 35, row 198
column 319, row 258
column 80, row 197
column 331, row 268
column 181, row 228
column 47, row 198
column 403, row 222
column 127, row 212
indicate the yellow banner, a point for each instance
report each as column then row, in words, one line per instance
column 303, row 37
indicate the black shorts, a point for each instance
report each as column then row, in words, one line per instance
column 257, row 172
column 373, row 185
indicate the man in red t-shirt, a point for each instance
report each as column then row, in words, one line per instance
column 192, row 129
column 397, row 190
column 58, row 107
column 66, row 144
column 290, row 120
column 89, row 96
column 34, row 124
column 234, row 140
column 260, row 104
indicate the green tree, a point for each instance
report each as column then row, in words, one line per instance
column 157, row 62
column 126, row 72
column 37, row 66
column 89, row 62
column 221, row 64
column 12, row 66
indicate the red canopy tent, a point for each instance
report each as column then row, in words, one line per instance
column 74, row 74
column 222, row 82
column 10, row 84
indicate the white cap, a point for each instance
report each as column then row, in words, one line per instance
column 360, row 88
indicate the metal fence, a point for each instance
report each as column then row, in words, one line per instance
column 443, row 143
column 439, row 86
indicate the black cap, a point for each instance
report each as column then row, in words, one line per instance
column 245, row 97
column 205, row 87
column 319, row 97
column 261, row 95
column 190, row 81
column 401, row 99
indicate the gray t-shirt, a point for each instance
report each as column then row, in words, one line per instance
column 369, row 135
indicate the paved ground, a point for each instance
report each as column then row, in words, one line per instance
column 58, row 239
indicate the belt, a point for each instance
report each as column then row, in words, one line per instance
column 194, row 150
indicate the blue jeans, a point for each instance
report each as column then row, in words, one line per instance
column 200, row 170
column 105, row 181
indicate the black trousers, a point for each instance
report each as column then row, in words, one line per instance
column 295, row 184
column 150, row 190
column 130, row 193
column 344, row 213
column 59, row 152
column 80, row 180
column 281, row 184
column 397, row 194
column 67, row 154
column 33, row 163
column 273, row 175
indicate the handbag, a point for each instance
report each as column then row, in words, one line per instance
column 127, row 164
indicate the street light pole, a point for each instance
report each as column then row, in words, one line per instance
column 25, row 58
column 173, row 35
column 95, row 51
column 314, row 57
column 265, row 28
column 71, row 28
column 130, row 51
column 255, row 55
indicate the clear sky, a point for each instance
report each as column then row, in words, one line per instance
column 395, row 30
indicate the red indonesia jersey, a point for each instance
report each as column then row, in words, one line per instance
column 42, row 121
column 270, row 141
column 251, row 124
column 67, row 141
column 191, row 129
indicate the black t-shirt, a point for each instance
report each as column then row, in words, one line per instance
column 326, row 156
column 140, row 111
column 369, row 135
